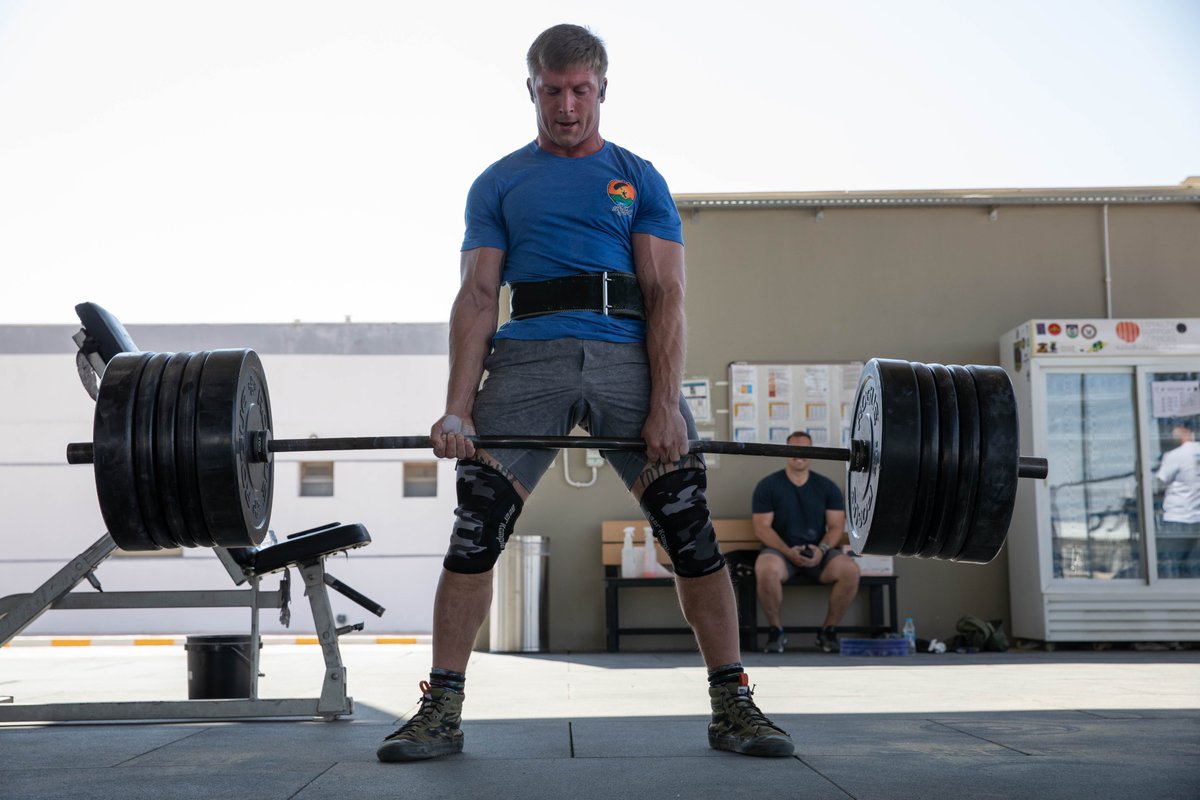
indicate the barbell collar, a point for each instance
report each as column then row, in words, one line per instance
column 1030, row 467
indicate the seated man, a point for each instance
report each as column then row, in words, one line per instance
column 800, row 518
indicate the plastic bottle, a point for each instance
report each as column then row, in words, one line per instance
column 630, row 561
column 649, row 555
column 910, row 634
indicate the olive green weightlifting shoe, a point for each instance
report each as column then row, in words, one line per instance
column 738, row 726
column 433, row 731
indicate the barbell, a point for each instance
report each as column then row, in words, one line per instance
column 182, row 454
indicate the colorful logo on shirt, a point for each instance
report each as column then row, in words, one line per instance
column 621, row 193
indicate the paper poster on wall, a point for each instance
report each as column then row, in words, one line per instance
column 1175, row 398
column 769, row 401
column 696, row 393
column 742, row 379
column 779, row 383
column 816, row 381
column 779, row 411
column 777, row 434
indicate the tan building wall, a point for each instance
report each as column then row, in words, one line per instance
column 928, row 283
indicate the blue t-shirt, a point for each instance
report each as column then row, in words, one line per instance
column 799, row 510
column 555, row 216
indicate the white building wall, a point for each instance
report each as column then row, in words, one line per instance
column 49, row 512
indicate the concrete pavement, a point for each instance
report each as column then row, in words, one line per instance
column 1068, row 724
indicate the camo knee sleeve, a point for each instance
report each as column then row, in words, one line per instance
column 676, row 507
column 488, row 507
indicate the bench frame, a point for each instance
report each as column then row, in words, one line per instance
column 734, row 535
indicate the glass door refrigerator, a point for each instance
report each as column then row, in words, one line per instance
column 1107, row 547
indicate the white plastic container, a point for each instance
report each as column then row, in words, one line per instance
column 649, row 555
column 631, row 558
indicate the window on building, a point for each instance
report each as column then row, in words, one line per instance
column 420, row 479
column 316, row 479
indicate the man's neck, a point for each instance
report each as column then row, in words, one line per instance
column 797, row 476
column 585, row 148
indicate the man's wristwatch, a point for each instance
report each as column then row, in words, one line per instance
column 824, row 548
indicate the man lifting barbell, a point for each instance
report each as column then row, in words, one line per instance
column 588, row 239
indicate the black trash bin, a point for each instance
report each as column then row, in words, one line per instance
column 219, row 667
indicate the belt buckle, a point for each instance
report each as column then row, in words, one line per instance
column 604, row 304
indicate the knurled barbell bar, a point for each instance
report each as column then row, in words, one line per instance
column 182, row 453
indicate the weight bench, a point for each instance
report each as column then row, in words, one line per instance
column 101, row 338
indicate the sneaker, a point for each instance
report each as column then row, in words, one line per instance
column 739, row 727
column 433, row 731
column 827, row 641
column 776, row 641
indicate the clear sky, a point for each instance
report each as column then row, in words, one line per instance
column 236, row 161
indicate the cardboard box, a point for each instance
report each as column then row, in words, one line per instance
column 875, row 565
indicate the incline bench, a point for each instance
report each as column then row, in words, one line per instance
column 740, row 546
column 101, row 338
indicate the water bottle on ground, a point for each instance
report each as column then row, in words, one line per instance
column 910, row 634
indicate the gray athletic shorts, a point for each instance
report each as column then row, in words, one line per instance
column 812, row 574
column 546, row 388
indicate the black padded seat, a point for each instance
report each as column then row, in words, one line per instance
column 105, row 330
column 301, row 548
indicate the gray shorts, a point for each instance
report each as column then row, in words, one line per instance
column 812, row 574
column 546, row 388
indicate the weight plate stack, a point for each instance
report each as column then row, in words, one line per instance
column 112, row 448
column 968, row 462
column 166, row 412
column 926, row 489
column 943, row 520
column 185, row 451
column 999, row 456
column 144, row 418
column 887, row 416
column 235, row 491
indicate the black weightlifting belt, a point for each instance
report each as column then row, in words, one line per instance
column 613, row 294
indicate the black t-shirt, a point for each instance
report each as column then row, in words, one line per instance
column 799, row 510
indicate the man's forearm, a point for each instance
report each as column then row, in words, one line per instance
column 666, row 344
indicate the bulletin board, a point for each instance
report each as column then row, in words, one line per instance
column 769, row 401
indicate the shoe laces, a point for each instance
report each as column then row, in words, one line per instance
column 428, row 703
column 743, row 701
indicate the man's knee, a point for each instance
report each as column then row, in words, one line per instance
column 769, row 567
column 841, row 569
column 678, row 511
column 488, row 507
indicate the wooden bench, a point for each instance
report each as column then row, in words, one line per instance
column 739, row 544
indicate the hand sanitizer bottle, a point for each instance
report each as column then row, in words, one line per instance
column 629, row 556
column 649, row 555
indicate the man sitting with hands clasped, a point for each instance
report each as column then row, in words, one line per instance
column 800, row 517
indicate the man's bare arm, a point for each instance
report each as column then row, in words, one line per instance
column 767, row 535
column 473, row 320
column 835, row 528
column 660, row 273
